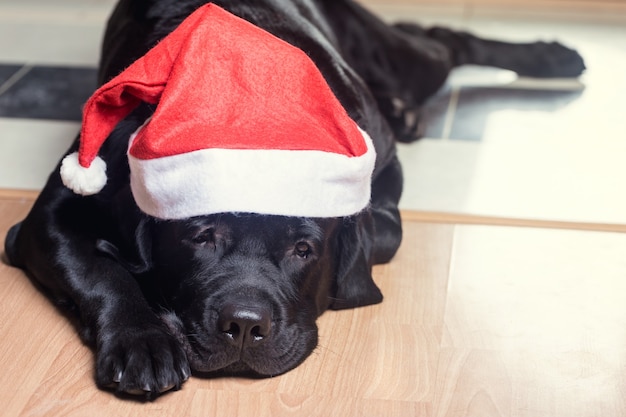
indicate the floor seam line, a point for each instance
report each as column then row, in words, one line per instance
column 15, row 78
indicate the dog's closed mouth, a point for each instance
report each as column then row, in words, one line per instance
column 210, row 355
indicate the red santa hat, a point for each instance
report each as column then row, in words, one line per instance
column 244, row 122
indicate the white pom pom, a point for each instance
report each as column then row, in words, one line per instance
column 81, row 180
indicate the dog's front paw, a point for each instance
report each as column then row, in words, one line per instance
column 146, row 362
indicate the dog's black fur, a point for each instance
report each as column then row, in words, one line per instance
column 240, row 293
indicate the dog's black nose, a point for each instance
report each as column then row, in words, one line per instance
column 245, row 325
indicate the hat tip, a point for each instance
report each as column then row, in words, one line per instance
column 83, row 180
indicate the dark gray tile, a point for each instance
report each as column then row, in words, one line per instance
column 476, row 104
column 434, row 114
column 7, row 71
column 56, row 93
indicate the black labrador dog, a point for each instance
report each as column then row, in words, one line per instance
column 239, row 293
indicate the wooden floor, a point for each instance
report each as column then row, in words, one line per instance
column 477, row 321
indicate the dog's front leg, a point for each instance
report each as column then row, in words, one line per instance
column 386, row 191
column 135, row 353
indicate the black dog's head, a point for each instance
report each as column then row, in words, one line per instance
column 242, row 292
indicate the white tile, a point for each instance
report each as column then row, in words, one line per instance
column 56, row 33
column 425, row 14
column 437, row 174
column 553, row 12
column 477, row 76
column 50, row 44
column 514, row 28
column 30, row 149
column 553, row 182
column 58, row 10
column 519, row 177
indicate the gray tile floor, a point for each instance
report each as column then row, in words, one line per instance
column 495, row 144
column 45, row 92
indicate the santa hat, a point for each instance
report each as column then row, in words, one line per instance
column 245, row 122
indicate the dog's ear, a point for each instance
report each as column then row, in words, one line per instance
column 136, row 256
column 133, row 247
column 354, row 286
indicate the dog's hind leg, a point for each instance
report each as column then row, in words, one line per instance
column 10, row 252
column 402, row 69
column 534, row 59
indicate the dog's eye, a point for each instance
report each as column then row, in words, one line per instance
column 302, row 250
column 204, row 237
